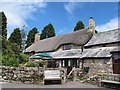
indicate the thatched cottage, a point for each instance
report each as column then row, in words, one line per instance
column 86, row 49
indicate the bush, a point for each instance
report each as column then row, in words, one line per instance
column 31, row 64
column 10, row 53
column 81, row 78
column 23, row 58
column 43, row 62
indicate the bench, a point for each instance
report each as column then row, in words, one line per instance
column 115, row 83
column 52, row 76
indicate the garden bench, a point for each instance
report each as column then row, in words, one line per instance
column 52, row 76
column 108, row 82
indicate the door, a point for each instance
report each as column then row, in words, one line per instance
column 116, row 63
column 69, row 67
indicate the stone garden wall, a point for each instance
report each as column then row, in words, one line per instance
column 21, row 74
column 29, row 75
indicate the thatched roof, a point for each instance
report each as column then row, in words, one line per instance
column 105, row 37
column 66, row 54
column 99, row 52
column 80, row 37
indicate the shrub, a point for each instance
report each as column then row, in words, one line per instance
column 31, row 64
column 23, row 58
column 81, row 78
column 43, row 62
column 10, row 53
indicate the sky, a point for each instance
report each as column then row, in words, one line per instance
column 62, row 15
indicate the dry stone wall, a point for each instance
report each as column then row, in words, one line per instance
column 29, row 75
column 21, row 74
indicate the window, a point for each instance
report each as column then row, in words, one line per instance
column 117, row 58
column 67, row 47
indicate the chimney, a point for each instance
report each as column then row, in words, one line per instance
column 92, row 25
column 37, row 37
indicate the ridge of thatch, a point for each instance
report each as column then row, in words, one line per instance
column 80, row 37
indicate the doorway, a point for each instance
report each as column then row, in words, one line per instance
column 116, row 63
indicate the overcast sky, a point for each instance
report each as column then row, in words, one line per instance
column 63, row 15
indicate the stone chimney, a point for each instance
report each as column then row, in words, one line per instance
column 92, row 25
column 37, row 37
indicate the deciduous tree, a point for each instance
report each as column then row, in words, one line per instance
column 23, row 37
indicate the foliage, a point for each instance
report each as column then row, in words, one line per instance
column 31, row 37
column 15, row 37
column 3, row 25
column 79, row 25
column 23, row 58
column 10, row 53
column 81, row 78
column 31, row 64
column 47, row 32
column 43, row 62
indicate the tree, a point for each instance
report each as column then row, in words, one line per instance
column 11, row 55
column 3, row 25
column 15, row 37
column 48, row 32
column 23, row 37
column 79, row 25
column 31, row 37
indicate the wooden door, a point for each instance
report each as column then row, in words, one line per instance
column 69, row 67
column 116, row 63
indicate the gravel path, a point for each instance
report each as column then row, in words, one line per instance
column 70, row 84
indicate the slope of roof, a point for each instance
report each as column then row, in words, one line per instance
column 99, row 52
column 105, row 37
column 80, row 37
column 73, row 53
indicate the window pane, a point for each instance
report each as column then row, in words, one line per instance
column 117, row 58
column 67, row 47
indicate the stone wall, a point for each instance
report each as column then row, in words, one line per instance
column 97, row 66
column 75, row 46
column 21, row 74
column 29, row 75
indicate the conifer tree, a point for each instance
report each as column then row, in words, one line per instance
column 15, row 37
column 31, row 37
column 3, row 25
column 48, row 32
column 79, row 25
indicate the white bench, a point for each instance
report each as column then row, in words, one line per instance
column 52, row 75
column 108, row 82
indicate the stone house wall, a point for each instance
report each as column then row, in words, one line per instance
column 73, row 46
column 98, row 66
